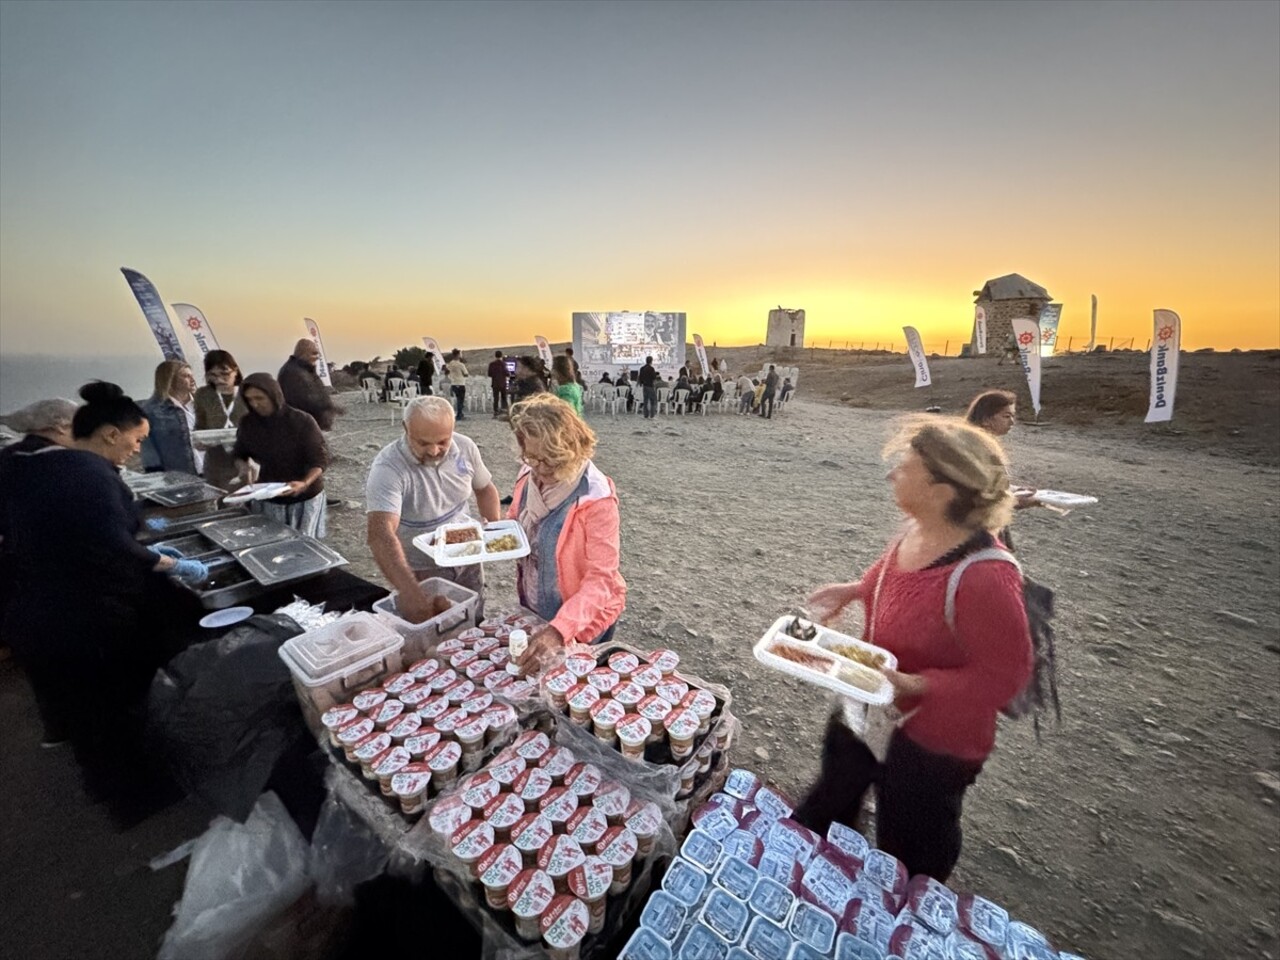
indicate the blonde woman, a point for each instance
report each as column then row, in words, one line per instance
column 959, row 663
column 171, row 411
column 569, row 511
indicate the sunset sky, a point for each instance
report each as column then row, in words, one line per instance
column 477, row 172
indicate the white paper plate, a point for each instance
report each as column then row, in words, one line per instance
column 1060, row 498
column 256, row 491
column 225, row 618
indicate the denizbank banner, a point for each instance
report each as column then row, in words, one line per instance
column 157, row 317
column 1050, row 317
column 1026, row 332
column 1165, row 344
column 193, row 322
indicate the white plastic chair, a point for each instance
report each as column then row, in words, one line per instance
column 369, row 390
column 706, row 402
column 664, row 400
column 680, row 401
column 395, row 388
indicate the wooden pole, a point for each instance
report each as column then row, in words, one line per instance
column 947, row 348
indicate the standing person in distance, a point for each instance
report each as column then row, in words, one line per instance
column 770, row 392
column 567, row 387
column 289, row 448
column 962, row 657
column 498, row 383
column 219, row 406
column 302, row 387
column 647, row 378
column 426, row 373
column 573, row 362
column 171, row 412
column 458, row 374
column 996, row 411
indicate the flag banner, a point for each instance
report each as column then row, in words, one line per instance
column 544, row 350
column 1026, row 333
column 979, row 330
column 1093, row 321
column 918, row 361
column 1166, row 341
column 1050, row 315
column 193, row 323
column 157, row 316
column 701, row 349
column 433, row 348
column 322, row 365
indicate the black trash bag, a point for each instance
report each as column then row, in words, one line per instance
column 222, row 713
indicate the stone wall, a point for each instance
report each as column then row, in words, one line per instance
column 999, row 315
column 786, row 328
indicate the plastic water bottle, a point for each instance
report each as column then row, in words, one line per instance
column 517, row 643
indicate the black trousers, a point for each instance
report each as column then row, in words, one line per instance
column 499, row 399
column 459, row 400
column 919, row 797
column 766, row 402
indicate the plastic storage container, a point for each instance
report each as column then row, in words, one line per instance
column 421, row 638
column 330, row 663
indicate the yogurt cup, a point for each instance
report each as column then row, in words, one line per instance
column 645, row 820
column 398, row 683
column 583, row 779
column 497, row 869
column 444, row 678
column 633, row 733
column 502, row 813
column 424, row 668
column 530, row 834
column 454, row 645
column 524, row 689
column 581, row 699
column 618, row 848
column 411, row 786
column 478, row 670
column 416, row 696
column 665, row 660
column 704, row 755
column 386, row 712
column 688, row 775
column 603, row 679
column 580, row 663
column 471, row 841
column 743, row 784
column 559, row 804
column 528, row 896
column 681, row 726
column 501, row 719
column 611, row 799
column 648, row 677
column 448, row 723
column 672, row 690
column 387, row 766
column 498, row 681
column 421, row 742
column 532, row 745
column 486, row 645
column 443, row 760
column 505, row 767
column 405, row 727
column 490, row 628
column 531, row 786
column 435, row 708
column 463, row 659
column 350, row 736
column 605, row 715
column 366, row 700
column 471, row 734
column 654, row 709
column 623, row 663
column 459, row 691
column 530, row 623
column 563, row 924
column 499, row 658
column 557, row 761
column 703, row 704
column 448, row 815
column 557, row 857
column 478, row 702
column 590, row 882
column 369, row 750
column 556, row 684
column 335, row 718
column 629, row 694
column 479, row 790
column 587, row 826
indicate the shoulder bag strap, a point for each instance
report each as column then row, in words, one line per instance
column 953, row 582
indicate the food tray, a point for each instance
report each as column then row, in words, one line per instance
column 1067, row 501
column 816, row 649
column 183, row 496
column 256, row 491
column 456, row 555
column 248, row 530
column 288, row 560
column 221, row 437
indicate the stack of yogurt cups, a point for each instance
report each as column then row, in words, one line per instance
column 548, row 837
column 751, row 883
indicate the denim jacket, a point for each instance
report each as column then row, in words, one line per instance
column 168, row 447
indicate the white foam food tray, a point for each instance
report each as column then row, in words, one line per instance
column 473, row 551
column 220, row 437
column 824, row 667
column 256, row 491
column 1060, row 498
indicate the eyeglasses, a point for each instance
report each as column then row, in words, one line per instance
column 533, row 461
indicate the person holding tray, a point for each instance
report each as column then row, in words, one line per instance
column 569, row 512
column 219, row 406
column 958, row 664
column 417, row 484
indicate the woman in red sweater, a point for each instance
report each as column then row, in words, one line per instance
column 954, row 673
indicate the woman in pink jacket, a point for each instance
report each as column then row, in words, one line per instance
column 569, row 511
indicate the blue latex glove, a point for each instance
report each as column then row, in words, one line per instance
column 166, row 552
column 156, row 523
column 190, row 571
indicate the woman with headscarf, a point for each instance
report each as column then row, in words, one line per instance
column 88, row 608
column 569, row 512
column 289, row 448
column 219, row 406
column 171, row 412
column 962, row 645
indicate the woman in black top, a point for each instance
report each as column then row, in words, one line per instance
column 531, row 377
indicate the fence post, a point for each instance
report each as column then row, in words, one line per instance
column 947, row 348
column 1069, row 339
column 1147, row 348
column 1112, row 345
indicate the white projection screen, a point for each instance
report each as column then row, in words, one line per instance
column 615, row 341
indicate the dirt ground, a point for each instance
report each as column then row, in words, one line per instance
column 1145, row 826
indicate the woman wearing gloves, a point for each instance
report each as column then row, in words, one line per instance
column 962, row 656
column 88, row 602
column 569, row 511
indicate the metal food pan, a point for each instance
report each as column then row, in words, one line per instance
column 184, row 496
column 246, row 531
column 288, row 560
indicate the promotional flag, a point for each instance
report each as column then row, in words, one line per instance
column 322, row 365
column 1050, row 316
column 979, row 329
column 157, row 316
column 1026, row 333
column 918, row 361
column 1093, row 321
column 194, row 324
column 1165, row 344
column 544, row 349
column 433, row 348
column 701, row 349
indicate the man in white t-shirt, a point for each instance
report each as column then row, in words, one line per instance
column 423, row 480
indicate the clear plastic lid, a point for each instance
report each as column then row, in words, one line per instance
column 326, row 653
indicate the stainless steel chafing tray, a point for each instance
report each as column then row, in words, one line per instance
column 288, row 560
column 250, row 530
column 184, row 496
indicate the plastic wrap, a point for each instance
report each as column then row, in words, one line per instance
column 345, row 852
